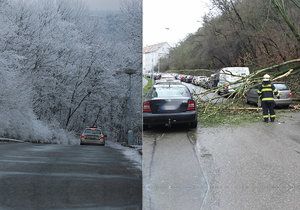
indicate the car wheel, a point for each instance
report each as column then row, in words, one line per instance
column 194, row 124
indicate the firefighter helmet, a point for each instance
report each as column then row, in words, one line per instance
column 266, row 77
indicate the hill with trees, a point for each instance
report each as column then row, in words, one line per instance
column 251, row 33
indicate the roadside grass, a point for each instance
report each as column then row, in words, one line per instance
column 148, row 86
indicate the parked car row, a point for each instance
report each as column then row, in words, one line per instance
column 184, row 78
column 203, row 81
column 156, row 76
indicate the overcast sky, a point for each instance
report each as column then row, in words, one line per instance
column 180, row 16
column 103, row 4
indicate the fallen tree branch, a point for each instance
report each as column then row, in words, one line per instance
column 245, row 109
column 295, row 61
column 295, row 107
column 284, row 75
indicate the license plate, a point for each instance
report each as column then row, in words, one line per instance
column 169, row 107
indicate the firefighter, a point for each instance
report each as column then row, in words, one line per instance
column 266, row 92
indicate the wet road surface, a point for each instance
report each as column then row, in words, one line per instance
column 252, row 167
column 36, row 176
column 255, row 166
column 172, row 176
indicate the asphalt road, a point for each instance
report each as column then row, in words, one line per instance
column 37, row 176
column 253, row 166
column 172, row 175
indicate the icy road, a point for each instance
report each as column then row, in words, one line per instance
column 36, row 176
column 254, row 166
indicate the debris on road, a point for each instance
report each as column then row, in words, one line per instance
column 244, row 109
column 295, row 107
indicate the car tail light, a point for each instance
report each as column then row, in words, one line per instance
column 82, row 136
column 146, row 106
column 191, row 105
column 290, row 95
column 101, row 137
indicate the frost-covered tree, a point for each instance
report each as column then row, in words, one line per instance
column 67, row 65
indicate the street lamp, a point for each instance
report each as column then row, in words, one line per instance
column 130, row 139
column 129, row 72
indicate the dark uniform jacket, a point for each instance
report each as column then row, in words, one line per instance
column 267, row 91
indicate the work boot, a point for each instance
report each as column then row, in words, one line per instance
column 266, row 120
column 272, row 119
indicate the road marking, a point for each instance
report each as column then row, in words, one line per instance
column 74, row 175
column 201, row 167
column 156, row 138
column 56, row 162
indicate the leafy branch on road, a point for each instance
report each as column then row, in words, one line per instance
column 232, row 109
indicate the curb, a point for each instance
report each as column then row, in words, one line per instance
column 137, row 148
column 140, row 151
column 11, row 140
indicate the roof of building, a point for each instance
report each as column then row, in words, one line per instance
column 154, row 48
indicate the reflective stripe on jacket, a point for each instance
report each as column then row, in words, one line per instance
column 267, row 91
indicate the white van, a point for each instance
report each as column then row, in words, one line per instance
column 230, row 75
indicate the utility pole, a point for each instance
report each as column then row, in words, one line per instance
column 128, row 120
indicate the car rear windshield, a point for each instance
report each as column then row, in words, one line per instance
column 170, row 92
column 92, row 132
column 281, row 86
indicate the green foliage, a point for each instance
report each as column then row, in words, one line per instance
column 148, row 86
